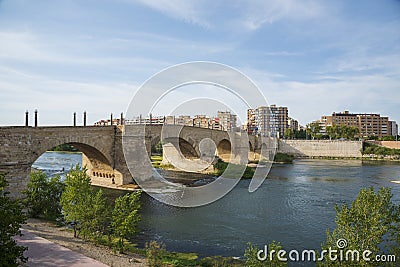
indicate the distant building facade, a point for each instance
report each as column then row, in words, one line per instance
column 293, row 124
column 368, row 124
column 268, row 121
column 394, row 128
column 224, row 121
column 227, row 120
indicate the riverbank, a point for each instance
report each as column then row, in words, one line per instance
column 65, row 237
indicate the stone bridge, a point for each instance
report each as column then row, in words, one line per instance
column 101, row 148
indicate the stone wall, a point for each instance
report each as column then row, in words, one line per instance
column 321, row 148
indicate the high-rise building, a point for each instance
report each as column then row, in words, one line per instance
column 293, row 124
column 394, row 128
column 227, row 120
column 268, row 121
column 251, row 122
column 368, row 124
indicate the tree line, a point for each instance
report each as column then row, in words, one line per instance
column 86, row 209
column 313, row 131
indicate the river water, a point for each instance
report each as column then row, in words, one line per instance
column 294, row 206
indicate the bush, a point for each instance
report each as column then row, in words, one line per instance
column 11, row 219
column 379, row 150
column 43, row 196
column 220, row 167
column 155, row 253
column 282, row 157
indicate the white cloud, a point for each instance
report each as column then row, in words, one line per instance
column 249, row 15
column 258, row 13
column 191, row 11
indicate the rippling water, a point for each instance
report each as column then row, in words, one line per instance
column 294, row 206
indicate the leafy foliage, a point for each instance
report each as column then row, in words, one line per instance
column 342, row 131
column 83, row 207
column 11, row 219
column 154, row 253
column 157, row 148
column 364, row 225
column 125, row 217
column 251, row 259
column 220, row 167
column 283, row 157
column 313, row 129
column 64, row 147
column 380, row 150
column 43, row 195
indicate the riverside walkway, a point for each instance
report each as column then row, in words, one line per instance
column 44, row 253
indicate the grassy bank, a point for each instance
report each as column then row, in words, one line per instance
column 283, row 158
column 371, row 149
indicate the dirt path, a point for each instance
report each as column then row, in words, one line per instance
column 65, row 238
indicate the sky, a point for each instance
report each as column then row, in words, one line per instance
column 315, row 57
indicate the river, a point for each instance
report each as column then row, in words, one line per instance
column 294, row 206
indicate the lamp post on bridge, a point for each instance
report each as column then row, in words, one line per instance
column 111, row 119
column 36, row 117
column 84, row 118
column 26, row 118
column 74, row 120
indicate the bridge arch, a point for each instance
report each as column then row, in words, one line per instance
column 99, row 165
column 186, row 149
column 224, row 150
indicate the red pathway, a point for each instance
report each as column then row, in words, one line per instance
column 44, row 253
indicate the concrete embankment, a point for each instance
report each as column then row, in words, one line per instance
column 321, row 148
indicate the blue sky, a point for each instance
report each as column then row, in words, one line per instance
column 315, row 57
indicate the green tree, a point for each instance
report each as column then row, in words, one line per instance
column 289, row 133
column 349, row 132
column 313, row 129
column 43, row 195
column 96, row 217
column 301, row 134
column 85, row 208
column 365, row 225
column 125, row 217
column 332, row 131
column 251, row 259
column 11, row 219
column 157, row 148
column 75, row 198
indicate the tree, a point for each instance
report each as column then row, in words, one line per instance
column 75, row 198
column 313, row 129
column 97, row 217
column 349, row 132
column 301, row 134
column 85, row 208
column 43, row 195
column 11, row 219
column 332, row 131
column 289, row 133
column 366, row 224
column 125, row 217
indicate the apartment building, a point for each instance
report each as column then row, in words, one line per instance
column 368, row 124
column 272, row 120
column 227, row 120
